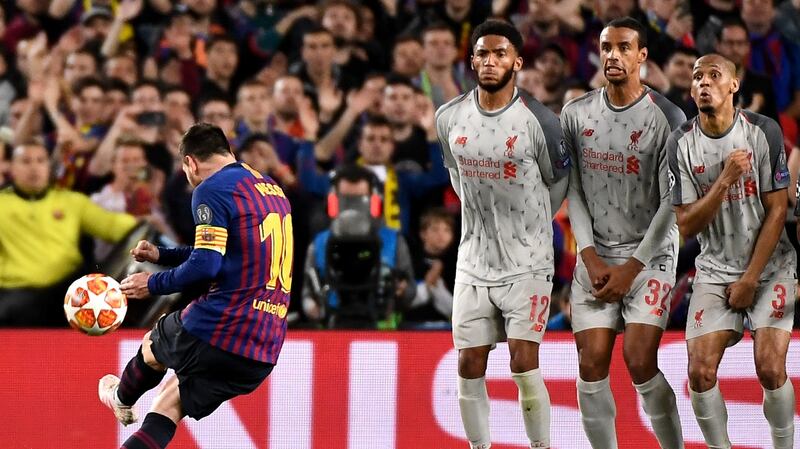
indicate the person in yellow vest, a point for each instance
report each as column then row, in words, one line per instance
column 40, row 228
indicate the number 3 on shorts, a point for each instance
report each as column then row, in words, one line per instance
column 539, row 322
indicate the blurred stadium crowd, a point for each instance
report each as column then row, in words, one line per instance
column 331, row 96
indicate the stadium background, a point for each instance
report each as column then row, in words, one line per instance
column 86, row 78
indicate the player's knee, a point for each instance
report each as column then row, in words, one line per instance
column 147, row 354
column 592, row 369
column 642, row 367
column 471, row 364
column 702, row 376
column 771, row 374
column 523, row 361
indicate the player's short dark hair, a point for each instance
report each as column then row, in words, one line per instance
column 203, row 140
column 498, row 27
column 436, row 214
column 86, row 82
column 730, row 22
column 631, row 24
column 683, row 50
column 352, row 173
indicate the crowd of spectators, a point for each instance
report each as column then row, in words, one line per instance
column 95, row 95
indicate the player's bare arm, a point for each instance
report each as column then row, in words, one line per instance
column 741, row 292
column 694, row 217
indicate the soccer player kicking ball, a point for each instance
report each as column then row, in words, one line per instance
column 503, row 151
column 729, row 174
column 225, row 343
column 619, row 207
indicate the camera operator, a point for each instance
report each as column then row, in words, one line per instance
column 358, row 273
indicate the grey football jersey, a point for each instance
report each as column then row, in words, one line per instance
column 501, row 164
column 696, row 161
column 619, row 186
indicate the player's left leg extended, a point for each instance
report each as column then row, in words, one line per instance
column 658, row 399
column 525, row 306
column 771, row 318
column 159, row 425
column 141, row 374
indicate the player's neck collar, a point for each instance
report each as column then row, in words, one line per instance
column 496, row 112
column 645, row 91
column 736, row 112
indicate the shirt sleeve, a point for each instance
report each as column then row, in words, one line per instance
column 772, row 170
column 680, row 177
column 551, row 154
column 578, row 208
column 447, row 154
column 211, row 210
column 442, row 132
column 212, row 215
column 664, row 218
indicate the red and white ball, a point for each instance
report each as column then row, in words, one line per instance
column 95, row 304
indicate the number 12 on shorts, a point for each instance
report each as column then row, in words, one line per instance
column 540, row 303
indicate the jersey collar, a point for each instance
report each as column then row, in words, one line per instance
column 625, row 108
column 499, row 111
column 30, row 196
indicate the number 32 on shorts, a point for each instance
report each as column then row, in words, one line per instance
column 542, row 304
column 656, row 289
column 281, row 248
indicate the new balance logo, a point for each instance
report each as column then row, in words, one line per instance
column 632, row 165
column 510, row 146
column 776, row 314
column 657, row 311
column 587, row 132
column 461, row 140
column 699, row 169
column 509, row 170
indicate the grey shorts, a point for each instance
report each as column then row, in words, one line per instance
column 648, row 301
column 483, row 316
column 709, row 312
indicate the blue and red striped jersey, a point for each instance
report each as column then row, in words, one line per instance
column 247, row 218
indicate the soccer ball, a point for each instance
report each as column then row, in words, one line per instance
column 95, row 304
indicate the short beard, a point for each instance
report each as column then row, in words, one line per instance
column 710, row 110
column 493, row 88
column 617, row 81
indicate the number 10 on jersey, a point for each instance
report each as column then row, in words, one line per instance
column 282, row 254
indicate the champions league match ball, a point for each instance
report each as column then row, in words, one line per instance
column 95, row 304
